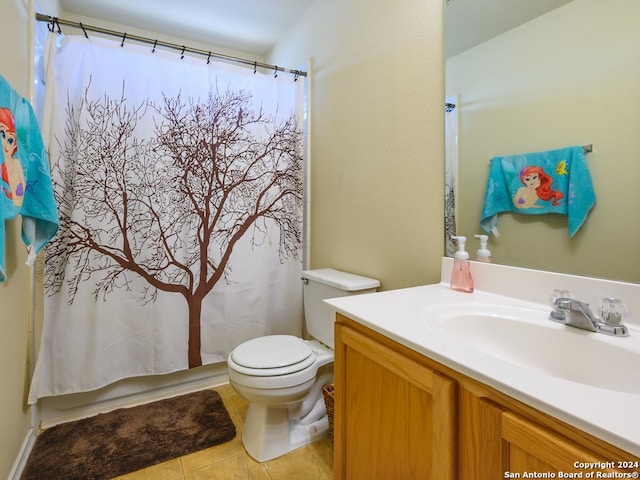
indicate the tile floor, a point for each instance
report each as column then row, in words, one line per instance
column 229, row 461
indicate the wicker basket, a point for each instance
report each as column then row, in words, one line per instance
column 327, row 392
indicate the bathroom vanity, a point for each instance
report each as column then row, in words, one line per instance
column 424, row 388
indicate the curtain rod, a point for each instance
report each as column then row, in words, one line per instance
column 53, row 21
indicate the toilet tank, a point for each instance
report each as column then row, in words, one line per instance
column 329, row 283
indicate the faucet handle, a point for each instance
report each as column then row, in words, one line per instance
column 560, row 301
column 558, row 293
column 613, row 311
column 564, row 304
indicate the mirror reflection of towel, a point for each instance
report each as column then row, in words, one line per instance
column 555, row 181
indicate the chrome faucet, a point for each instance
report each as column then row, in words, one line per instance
column 578, row 314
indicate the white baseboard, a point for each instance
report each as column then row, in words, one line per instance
column 23, row 455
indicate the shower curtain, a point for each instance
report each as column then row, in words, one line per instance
column 179, row 183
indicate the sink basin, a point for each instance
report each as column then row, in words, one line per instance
column 527, row 338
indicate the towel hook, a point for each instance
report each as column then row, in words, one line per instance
column 83, row 30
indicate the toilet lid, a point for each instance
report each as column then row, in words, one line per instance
column 284, row 353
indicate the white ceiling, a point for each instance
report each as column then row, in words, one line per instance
column 471, row 22
column 254, row 26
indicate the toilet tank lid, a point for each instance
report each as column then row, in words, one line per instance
column 342, row 280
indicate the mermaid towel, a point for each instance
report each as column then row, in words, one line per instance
column 25, row 185
column 555, row 181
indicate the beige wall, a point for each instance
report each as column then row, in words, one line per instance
column 570, row 77
column 376, row 136
column 16, row 34
column 15, row 292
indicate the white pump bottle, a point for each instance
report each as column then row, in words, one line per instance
column 483, row 254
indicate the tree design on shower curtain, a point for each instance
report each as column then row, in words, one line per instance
column 169, row 206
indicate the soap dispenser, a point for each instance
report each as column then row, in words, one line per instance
column 461, row 279
column 483, row 254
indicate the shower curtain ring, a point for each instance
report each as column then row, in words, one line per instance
column 182, row 53
column 208, row 58
column 124, row 37
column 153, row 50
column 84, row 31
column 255, row 66
column 275, row 72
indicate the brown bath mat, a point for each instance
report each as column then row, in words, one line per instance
column 128, row 439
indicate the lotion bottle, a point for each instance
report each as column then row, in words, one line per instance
column 483, row 254
column 461, row 279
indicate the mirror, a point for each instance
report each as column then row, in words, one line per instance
column 569, row 75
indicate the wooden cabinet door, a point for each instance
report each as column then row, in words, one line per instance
column 496, row 443
column 529, row 447
column 394, row 417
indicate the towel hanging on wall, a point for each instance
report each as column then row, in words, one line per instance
column 554, row 181
column 26, row 188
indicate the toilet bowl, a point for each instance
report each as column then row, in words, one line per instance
column 281, row 376
column 286, row 407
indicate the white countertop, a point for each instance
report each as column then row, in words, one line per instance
column 399, row 314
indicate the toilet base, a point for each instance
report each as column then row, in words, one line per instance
column 269, row 433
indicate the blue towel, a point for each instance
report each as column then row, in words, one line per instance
column 25, row 185
column 555, row 181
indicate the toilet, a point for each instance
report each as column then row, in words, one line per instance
column 281, row 376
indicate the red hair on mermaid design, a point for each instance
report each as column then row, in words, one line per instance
column 544, row 190
column 13, row 183
column 6, row 121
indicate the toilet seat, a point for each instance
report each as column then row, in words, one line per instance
column 273, row 355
